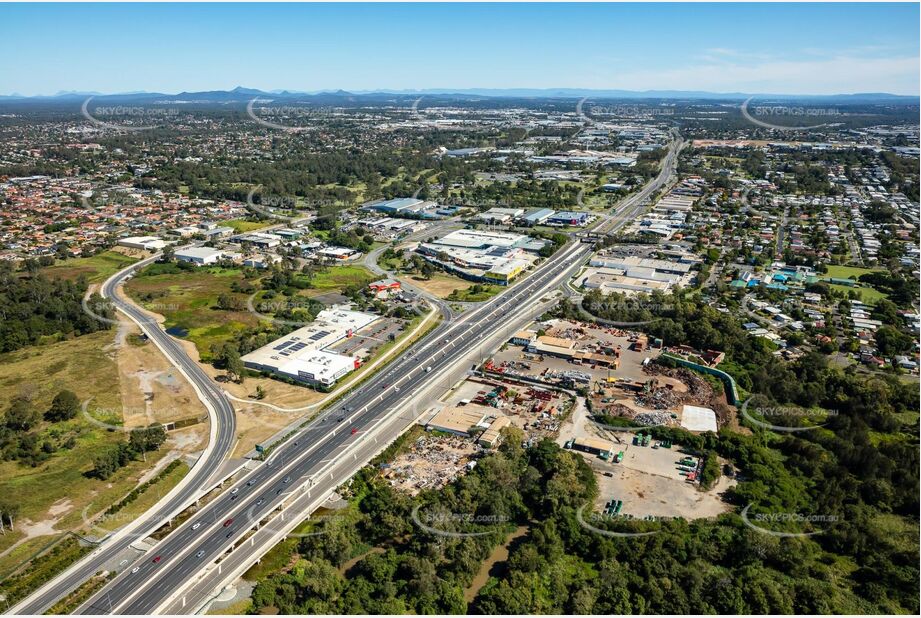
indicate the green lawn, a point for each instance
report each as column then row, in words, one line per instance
column 97, row 268
column 476, row 293
column 847, row 272
column 867, row 295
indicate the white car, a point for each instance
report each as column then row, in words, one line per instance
column 196, row 525
column 135, row 570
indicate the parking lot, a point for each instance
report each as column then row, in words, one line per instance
column 649, row 482
column 363, row 342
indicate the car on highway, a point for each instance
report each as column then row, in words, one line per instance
column 287, row 479
column 339, row 419
column 200, row 554
column 135, row 570
column 354, row 430
column 196, row 525
column 250, row 482
column 233, row 492
column 260, row 502
column 228, row 522
column 157, row 559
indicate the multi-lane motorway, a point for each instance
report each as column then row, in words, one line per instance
column 144, row 586
column 176, row 561
column 223, row 430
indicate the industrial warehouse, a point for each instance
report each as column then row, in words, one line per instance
column 631, row 274
column 494, row 257
column 304, row 354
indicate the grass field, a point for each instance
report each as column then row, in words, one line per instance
column 476, row 293
column 338, row 277
column 867, row 295
column 188, row 300
column 151, row 495
column 242, row 225
column 97, row 268
column 847, row 272
column 56, row 491
column 239, row 608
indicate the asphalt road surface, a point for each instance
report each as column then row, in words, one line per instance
column 214, row 456
column 145, row 584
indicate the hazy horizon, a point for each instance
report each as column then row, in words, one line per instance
column 783, row 49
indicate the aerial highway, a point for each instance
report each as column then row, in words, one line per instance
column 223, row 432
column 142, row 587
column 634, row 204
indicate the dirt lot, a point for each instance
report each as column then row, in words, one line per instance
column 441, row 285
column 649, row 483
column 647, row 493
column 153, row 391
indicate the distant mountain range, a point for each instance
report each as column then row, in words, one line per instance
column 246, row 94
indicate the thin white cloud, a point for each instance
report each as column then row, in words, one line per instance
column 835, row 75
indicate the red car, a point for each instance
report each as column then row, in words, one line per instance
column 228, row 522
column 157, row 559
column 354, row 430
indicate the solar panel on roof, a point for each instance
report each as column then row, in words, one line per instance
column 319, row 335
column 283, row 345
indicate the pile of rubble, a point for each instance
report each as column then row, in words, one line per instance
column 660, row 399
column 432, row 463
column 653, row 418
column 699, row 390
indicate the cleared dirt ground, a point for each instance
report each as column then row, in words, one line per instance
column 649, row 483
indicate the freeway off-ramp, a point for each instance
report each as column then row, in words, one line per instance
column 185, row 552
column 223, row 431
column 162, row 578
column 323, row 441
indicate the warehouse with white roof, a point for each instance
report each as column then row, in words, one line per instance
column 303, row 354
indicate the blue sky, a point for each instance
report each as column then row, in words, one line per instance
column 766, row 48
